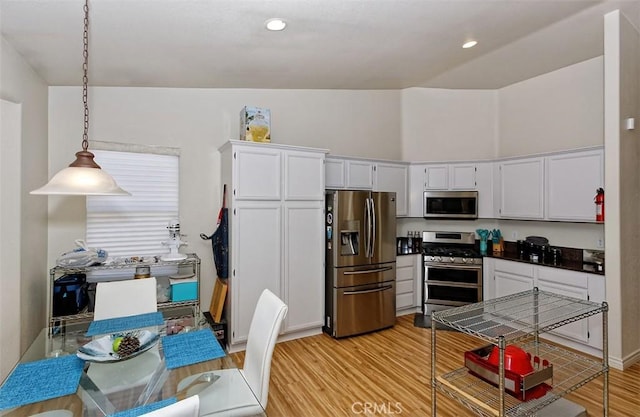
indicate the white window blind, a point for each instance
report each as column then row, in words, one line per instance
column 134, row 225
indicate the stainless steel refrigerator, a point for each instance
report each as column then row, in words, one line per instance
column 360, row 286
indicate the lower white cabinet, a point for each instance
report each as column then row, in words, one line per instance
column 504, row 277
column 256, row 250
column 303, row 278
column 408, row 283
column 511, row 277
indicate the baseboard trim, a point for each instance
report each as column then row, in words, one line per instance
column 626, row 362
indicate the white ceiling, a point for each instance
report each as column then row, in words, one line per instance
column 334, row 44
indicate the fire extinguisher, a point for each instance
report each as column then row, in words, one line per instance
column 599, row 200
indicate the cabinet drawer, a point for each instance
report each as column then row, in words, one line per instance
column 516, row 268
column 403, row 287
column 571, row 278
column 404, row 301
column 406, row 260
column 404, row 274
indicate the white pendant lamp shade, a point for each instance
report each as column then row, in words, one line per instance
column 83, row 176
column 81, row 181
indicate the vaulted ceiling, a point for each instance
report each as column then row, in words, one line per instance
column 334, row 44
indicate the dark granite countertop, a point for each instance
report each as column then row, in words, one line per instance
column 569, row 264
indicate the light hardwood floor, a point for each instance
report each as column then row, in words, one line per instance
column 389, row 370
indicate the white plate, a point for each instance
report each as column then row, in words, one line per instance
column 101, row 350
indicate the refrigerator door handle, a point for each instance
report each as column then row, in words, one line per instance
column 367, row 220
column 368, row 271
column 379, row 289
column 373, row 226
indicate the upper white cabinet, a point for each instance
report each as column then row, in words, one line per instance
column 436, row 177
column 359, row 174
column 334, row 173
column 394, row 178
column 558, row 186
column 571, row 184
column 363, row 174
column 257, row 173
column 449, row 176
column 352, row 174
column 485, row 188
column 462, row 176
column 522, row 188
column 304, row 175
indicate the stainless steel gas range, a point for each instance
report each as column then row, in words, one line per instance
column 452, row 270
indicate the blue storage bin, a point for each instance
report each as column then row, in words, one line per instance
column 184, row 289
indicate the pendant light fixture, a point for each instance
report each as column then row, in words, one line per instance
column 83, row 176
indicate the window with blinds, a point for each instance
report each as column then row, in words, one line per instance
column 135, row 225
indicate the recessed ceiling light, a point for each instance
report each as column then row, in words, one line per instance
column 275, row 24
column 469, row 44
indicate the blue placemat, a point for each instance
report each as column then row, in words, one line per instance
column 41, row 380
column 118, row 324
column 144, row 409
column 187, row 348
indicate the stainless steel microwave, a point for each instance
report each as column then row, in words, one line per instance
column 451, row 204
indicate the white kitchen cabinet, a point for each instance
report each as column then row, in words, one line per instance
column 436, row 177
column 335, row 173
column 511, row 277
column 462, row 176
column 276, row 233
column 408, row 283
column 359, row 174
column 303, row 268
column 255, row 260
column 570, row 284
column 571, row 183
column 303, row 175
column 393, row 177
column 484, row 186
column 522, row 188
column 502, row 277
column 257, row 174
column 352, row 174
column 459, row 176
column 363, row 174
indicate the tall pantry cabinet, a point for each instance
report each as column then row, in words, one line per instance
column 276, row 233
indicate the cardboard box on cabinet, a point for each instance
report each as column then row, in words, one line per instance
column 255, row 124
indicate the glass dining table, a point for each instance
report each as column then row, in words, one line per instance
column 120, row 386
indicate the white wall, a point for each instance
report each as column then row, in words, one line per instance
column 198, row 121
column 448, row 125
column 20, row 84
column 555, row 111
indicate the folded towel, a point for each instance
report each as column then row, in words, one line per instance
column 192, row 347
column 143, row 409
column 41, row 380
column 118, row 324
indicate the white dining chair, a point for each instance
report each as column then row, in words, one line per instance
column 121, row 299
column 189, row 407
column 244, row 392
column 125, row 298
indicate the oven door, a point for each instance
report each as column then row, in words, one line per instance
column 454, row 285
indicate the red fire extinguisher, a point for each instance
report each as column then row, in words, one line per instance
column 599, row 200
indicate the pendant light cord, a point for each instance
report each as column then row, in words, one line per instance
column 85, row 78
